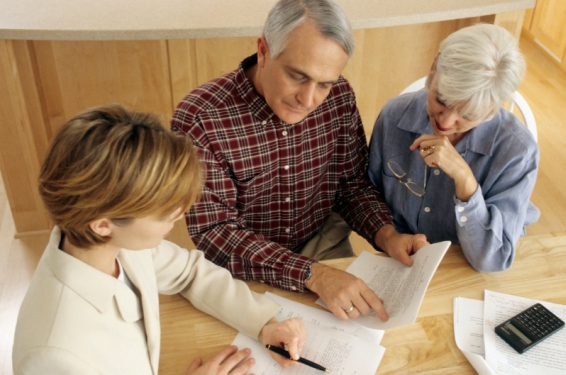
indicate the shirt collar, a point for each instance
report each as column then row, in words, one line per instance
column 480, row 139
column 96, row 287
column 257, row 104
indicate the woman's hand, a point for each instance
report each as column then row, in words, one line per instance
column 438, row 152
column 229, row 361
column 289, row 334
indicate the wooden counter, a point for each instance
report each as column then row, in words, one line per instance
column 425, row 347
column 59, row 58
column 197, row 19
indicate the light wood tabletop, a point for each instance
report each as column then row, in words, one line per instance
column 425, row 347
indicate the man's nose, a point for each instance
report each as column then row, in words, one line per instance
column 306, row 95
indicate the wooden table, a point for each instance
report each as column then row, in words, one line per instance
column 425, row 347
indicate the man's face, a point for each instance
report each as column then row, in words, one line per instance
column 299, row 79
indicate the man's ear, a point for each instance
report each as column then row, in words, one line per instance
column 102, row 227
column 262, row 51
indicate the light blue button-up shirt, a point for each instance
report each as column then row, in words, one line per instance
column 504, row 158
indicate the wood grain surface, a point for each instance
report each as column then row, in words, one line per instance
column 425, row 347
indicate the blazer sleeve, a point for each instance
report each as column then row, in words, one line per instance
column 211, row 289
column 52, row 361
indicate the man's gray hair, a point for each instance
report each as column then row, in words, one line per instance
column 478, row 69
column 287, row 15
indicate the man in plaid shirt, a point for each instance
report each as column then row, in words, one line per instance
column 286, row 159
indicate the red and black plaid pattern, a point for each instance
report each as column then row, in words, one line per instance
column 270, row 185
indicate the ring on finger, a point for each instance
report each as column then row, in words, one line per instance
column 428, row 148
column 349, row 309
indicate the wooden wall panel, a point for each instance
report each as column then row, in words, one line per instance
column 79, row 75
column 22, row 135
column 511, row 21
column 215, row 57
column 548, row 25
column 528, row 20
column 182, row 63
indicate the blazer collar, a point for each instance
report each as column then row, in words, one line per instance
column 94, row 286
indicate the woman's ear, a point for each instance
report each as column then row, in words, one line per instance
column 434, row 62
column 102, row 227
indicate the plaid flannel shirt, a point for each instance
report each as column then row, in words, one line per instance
column 270, row 186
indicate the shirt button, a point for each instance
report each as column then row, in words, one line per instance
column 264, row 122
column 287, row 199
column 463, row 219
column 284, row 132
column 288, row 230
column 436, row 172
column 427, row 209
column 286, row 167
column 293, row 287
column 461, row 209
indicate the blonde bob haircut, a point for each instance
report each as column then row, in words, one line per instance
column 109, row 162
column 478, row 68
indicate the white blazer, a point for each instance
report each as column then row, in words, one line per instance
column 77, row 320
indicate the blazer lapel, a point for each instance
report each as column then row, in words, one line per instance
column 139, row 268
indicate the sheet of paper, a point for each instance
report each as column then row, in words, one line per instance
column 468, row 333
column 401, row 288
column 340, row 352
column 547, row 357
column 291, row 309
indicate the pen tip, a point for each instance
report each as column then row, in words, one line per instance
column 328, row 371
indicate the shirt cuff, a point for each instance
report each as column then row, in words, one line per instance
column 472, row 211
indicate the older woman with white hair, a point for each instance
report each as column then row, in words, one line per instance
column 450, row 162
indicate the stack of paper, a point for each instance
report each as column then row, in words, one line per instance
column 352, row 347
column 474, row 324
column 343, row 347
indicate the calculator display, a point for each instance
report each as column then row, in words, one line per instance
column 518, row 333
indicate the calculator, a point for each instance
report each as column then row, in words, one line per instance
column 528, row 328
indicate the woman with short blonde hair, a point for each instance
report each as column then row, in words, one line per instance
column 114, row 182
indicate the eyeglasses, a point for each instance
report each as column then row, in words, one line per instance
column 400, row 173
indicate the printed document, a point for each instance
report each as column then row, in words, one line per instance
column 401, row 288
column 468, row 333
column 547, row 357
column 343, row 347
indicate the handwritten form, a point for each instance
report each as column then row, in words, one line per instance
column 343, row 347
column 402, row 288
column 548, row 357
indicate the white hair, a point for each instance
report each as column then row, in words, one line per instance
column 287, row 15
column 478, row 68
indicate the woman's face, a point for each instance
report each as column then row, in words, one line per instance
column 144, row 233
column 446, row 121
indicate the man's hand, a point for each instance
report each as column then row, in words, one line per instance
column 345, row 295
column 399, row 246
column 289, row 334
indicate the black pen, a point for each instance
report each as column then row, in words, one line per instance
column 284, row 353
